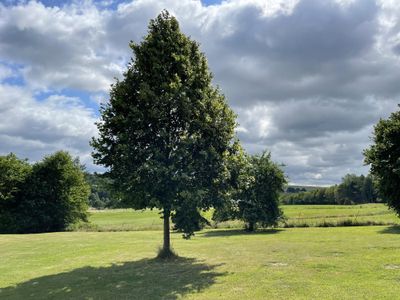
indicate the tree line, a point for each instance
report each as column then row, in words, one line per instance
column 102, row 194
column 352, row 190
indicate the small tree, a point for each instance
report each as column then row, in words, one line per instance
column 260, row 202
column 257, row 183
column 384, row 158
column 166, row 132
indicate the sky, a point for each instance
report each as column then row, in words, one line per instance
column 308, row 79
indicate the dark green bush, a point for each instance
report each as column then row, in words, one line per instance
column 49, row 196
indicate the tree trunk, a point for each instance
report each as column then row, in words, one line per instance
column 167, row 243
column 250, row 227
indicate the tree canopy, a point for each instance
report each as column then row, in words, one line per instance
column 384, row 158
column 166, row 131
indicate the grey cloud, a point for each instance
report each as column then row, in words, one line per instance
column 316, row 118
column 318, row 141
column 59, row 48
column 292, row 55
column 315, row 32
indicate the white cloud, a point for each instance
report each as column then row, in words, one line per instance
column 59, row 47
column 32, row 129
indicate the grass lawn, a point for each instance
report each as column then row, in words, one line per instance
column 297, row 215
column 125, row 219
column 291, row 263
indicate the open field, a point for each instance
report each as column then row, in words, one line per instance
column 297, row 216
column 291, row 263
column 321, row 215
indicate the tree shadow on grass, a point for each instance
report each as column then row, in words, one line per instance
column 143, row 279
column 233, row 232
column 394, row 229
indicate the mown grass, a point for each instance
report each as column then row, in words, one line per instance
column 125, row 220
column 296, row 216
column 293, row 263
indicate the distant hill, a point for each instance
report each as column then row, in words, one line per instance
column 301, row 188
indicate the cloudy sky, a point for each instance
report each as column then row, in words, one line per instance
column 308, row 78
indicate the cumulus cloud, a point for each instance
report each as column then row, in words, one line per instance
column 307, row 78
column 32, row 129
column 59, row 47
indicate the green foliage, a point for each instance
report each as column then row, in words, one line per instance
column 187, row 218
column 13, row 173
column 315, row 196
column 257, row 183
column 52, row 195
column 384, row 158
column 239, row 176
column 352, row 190
column 260, row 198
column 102, row 194
column 355, row 189
column 166, row 131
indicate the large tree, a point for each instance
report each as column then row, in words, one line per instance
column 166, row 131
column 384, row 158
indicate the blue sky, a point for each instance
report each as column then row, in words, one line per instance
column 308, row 79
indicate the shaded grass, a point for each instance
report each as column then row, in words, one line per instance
column 142, row 279
column 233, row 232
column 392, row 229
column 166, row 254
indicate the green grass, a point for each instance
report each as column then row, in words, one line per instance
column 125, row 220
column 297, row 216
column 322, row 215
column 291, row 263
